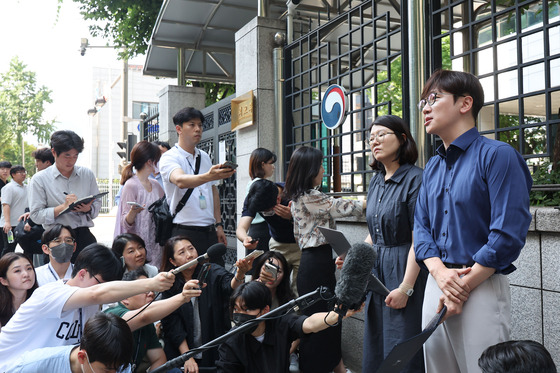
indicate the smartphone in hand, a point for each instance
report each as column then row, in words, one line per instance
column 135, row 204
column 229, row 164
column 272, row 269
column 203, row 274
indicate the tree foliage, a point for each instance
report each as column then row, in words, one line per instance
column 215, row 91
column 22, row 105
column 128, row 23
column 12, row 153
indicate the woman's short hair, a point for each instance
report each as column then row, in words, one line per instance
column 407, row 152
column 258, row 156
column 119, row 243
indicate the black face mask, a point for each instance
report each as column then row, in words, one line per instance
column 240, row 318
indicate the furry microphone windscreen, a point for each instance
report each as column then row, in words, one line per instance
column 216, row 251
column 354, row 275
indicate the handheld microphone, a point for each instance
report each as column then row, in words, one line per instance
column 350, row 290
column 214, row 252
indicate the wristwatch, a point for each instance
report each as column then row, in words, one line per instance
column 220, row 224
column 406, row 289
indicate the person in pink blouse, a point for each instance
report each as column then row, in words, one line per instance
column 138, row 193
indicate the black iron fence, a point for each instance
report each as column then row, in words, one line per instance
column 361, row 51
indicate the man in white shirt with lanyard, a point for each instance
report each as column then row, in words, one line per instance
column 59, row 243
column 200, row 218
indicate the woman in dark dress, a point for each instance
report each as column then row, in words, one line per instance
column 390, row 217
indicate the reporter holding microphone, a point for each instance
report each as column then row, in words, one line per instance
column 206, row 318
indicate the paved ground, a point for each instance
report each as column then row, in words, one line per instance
column 104, row 228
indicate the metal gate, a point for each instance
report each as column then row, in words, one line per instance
column 514, row 49
column 217, row 135
column 361, row 50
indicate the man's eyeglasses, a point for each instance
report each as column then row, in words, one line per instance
column 432, row 97
column 68, row 240
column 379, row 136
column 96, row 279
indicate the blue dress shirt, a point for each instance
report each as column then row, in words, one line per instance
column 473, row 205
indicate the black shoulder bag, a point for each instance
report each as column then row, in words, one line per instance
column 161, row 214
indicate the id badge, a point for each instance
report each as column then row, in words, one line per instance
column 202, row 201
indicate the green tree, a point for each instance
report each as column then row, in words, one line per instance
column 128, row 23
column 12, row 153
column 22, row 105
column 215, row 91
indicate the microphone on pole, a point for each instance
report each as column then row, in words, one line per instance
column 214, row 252
column 350, row 290
column 304, row 301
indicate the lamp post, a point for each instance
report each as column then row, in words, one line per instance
column 84, row 45
column 99, row 102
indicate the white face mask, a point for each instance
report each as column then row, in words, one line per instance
column 90, row 367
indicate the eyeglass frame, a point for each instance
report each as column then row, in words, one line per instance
column 63, row 240
column 380, row 137
column 426, row 101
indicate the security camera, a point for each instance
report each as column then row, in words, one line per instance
column 143, row 116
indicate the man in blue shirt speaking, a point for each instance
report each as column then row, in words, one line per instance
column 471, row 220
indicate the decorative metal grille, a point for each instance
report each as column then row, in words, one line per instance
column 361, row 51
column 218, row 133
column 224, row 115
column 512, row 46
column 228, row 187
column 208, row 147
column 208, row 122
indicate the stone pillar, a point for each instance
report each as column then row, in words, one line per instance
column 172, row 99
column 254, row 44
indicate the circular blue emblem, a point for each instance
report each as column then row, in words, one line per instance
column 334, row 106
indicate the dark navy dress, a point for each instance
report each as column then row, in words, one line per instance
column 390, row 218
